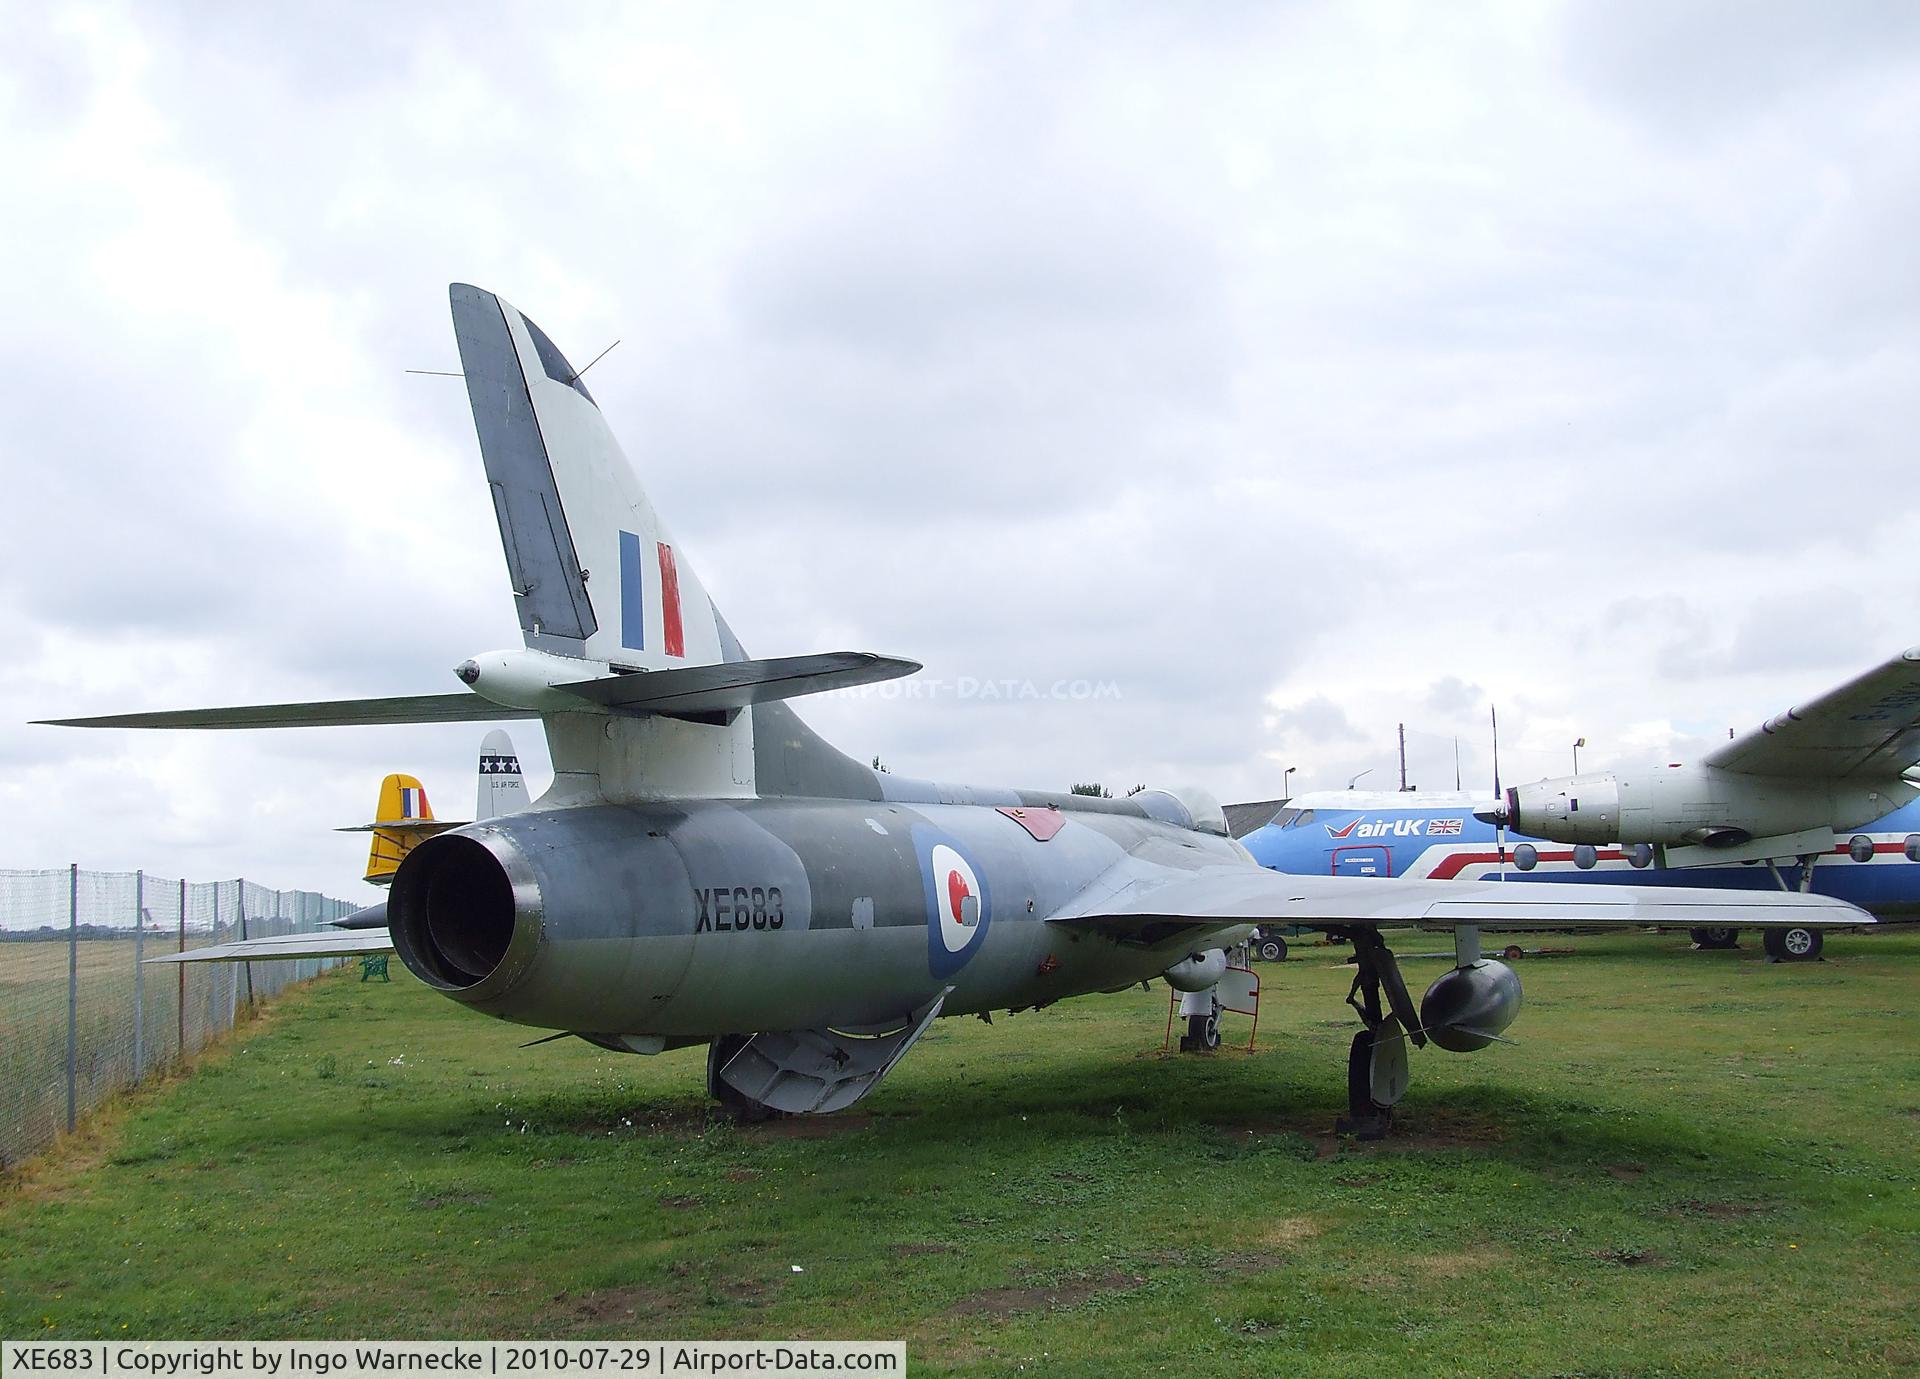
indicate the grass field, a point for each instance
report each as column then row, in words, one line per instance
column 1692, row 1164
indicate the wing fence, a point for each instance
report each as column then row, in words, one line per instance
column 82, row 1017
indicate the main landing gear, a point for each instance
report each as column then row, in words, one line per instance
column 733, row 1101
column 1796, row 944
column 1377, row 1059
column 1203, row 1022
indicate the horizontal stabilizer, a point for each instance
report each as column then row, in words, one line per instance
column 327, row 713
column 334, row 943
column 421, row 828
column 373, row 916
column 1221, row 897
column 720, row 688
column 732, row 685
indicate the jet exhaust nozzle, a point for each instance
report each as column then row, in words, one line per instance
column 465, row 914
column 1467, row 1008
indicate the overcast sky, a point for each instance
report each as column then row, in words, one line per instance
column 1286, row 371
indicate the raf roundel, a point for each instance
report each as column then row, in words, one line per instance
column 957, row 906
column 956, row 893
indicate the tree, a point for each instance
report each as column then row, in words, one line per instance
column 1095, row 789
column 1136, row 790
column 880, row 765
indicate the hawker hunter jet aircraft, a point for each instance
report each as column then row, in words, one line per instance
column 1437, row 835
column 707, row 870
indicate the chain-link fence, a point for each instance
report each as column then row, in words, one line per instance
column 81, row 1016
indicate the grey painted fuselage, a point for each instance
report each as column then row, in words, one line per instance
column 689, row 919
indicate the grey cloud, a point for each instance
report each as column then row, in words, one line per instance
column 1316, row 719
column 1452, row 697
column 1701, row 67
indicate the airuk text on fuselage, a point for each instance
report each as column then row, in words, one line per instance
column 1396, row 828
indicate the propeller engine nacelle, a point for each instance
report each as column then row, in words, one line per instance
column 1468, row 1007
column 1692, row 804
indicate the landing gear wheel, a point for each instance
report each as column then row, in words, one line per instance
column 1376, row 1080
column 1715, row 936
column 1513, row 952
column 733, row 1101
column 1203, row 1034
column 1273, row 950
column 1795, row 944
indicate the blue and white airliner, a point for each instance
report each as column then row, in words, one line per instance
column 1435, row 835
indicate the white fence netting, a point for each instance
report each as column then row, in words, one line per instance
column 82, row 1016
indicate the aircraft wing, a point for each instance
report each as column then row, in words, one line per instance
column 336, row 943
column 1869, row 726
column 1223, row 897
column 461, row 707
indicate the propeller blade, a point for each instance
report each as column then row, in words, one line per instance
column 1500, row 799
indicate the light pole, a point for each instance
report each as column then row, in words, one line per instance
column 1285, row 777
column 1578, row 743
column 1354, row 782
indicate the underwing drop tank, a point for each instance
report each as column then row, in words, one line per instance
column 1468, row 1007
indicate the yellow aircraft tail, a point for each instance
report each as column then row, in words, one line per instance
column 402, row 822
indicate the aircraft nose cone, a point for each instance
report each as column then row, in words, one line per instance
column 468, row 671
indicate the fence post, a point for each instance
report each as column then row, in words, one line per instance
column 139, row 977
column 233, row 978
column 73, row 993
column 240, row 891
column 180, row 981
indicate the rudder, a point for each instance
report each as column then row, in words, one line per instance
column 595, row 573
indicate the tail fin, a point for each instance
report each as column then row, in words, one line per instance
column 503, row 790
column 401, row 823
column 595, row 573
column 597, row 576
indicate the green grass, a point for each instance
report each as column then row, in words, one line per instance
column 1692, row 1164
